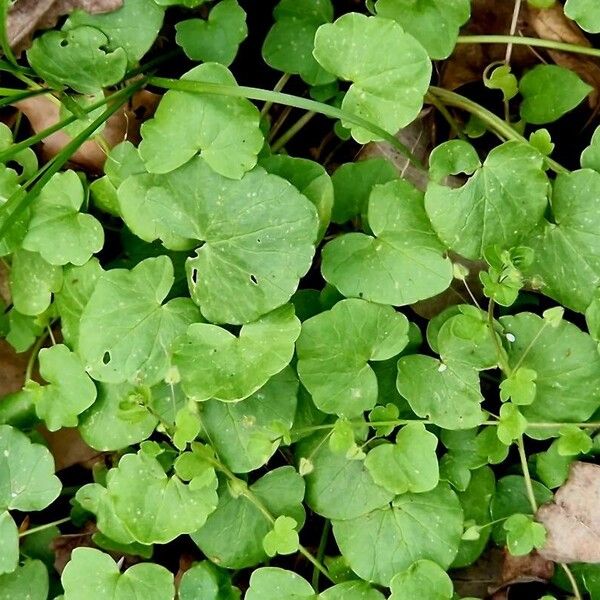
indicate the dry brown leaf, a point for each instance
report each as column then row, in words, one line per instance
column 125, row 124
column 551, row 24
column 477, row 579
column 68, row 448
column 12, row 369
column 63, row 545
column 524, row 569
column 27, row 16
column 572, row 520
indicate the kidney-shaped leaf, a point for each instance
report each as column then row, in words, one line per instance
column 334, row 350
column 425, row 580
column 405, row 260
column 258, row 235
column 388, row 68
column 500, row 204
column 224, row 130
column 126, row 332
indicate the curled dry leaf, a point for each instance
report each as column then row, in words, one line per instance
column 12, row 369
column 125, row 124
column 572, row 520
column 63, row 545
column 68, row 448
column 27, row 16
column 524, row 569
column 552, row 24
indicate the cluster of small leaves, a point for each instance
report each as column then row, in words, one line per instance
column 259, row 304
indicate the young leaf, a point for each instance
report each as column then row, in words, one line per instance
column 573, row 441
column 283, row 538
column 434, row 23
column 27, row 480
column 353, row 183
column 334, row 350
column 232, row 536
column 448, row 394
column 246, row 434
column 28, row 581
column 566, row 252
column 338, row 487
column 118, row 418
column 205, row 581
column 57, row 230
column 500, row 204
column 590, row 157
column 77, row 59
column 512, row 423
column 187, row 427
column 425, row 580
column 259, row 235
column 567, row 365
column 32, row 282
column 69, row 391
column 289, row 44
column 125, row 331
column 519, row 386
column 148, row 506
column 225, row 130
column 551, row 468
column 523, row 534
column 388, row 68
column 133, row 27
column 404, row 263
column 503, row 79
column 381, row 543
column 214, row 363
column 549, row 92
column 586, row 13
column 409, row 465
column 452, row 158
column 216, row 39
column 93, row 574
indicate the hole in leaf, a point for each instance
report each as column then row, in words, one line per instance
column 106, row 358
column 253, row 280
column 194, row 276
column 64, row 43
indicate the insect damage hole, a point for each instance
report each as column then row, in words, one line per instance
column 253, row 280
column 106, row 358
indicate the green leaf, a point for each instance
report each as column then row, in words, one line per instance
column 57, row 230
column 259, row 235
column 549, row 92
column 289, row 44
column 353, row 183
column 82, row 122
column 475, row 502
column 117, row 419
column 246, row 434
column 9, row 185
column 334, row 350
column 187, row 427
column 9, row 544
column 125, row 331
column 567, row 365
column 93, row 574
column 77, row 59
column 404, row 263
column 452, row 158
column 214, row 363
column 29, row 581
column 566, row 252
column 32, row 282
column 27, row 480
column 338, row 487
column 381, row 543
column 434, row 23
column 147, row 505
column 283, row 538
column 133, row 27
column 551, row 468
column 78, row 285
column 586, row 13
column 389, row 70
column 232, row 536
column 542, row 142
column 502, row 79
column 523, row 534
column 351, row 590
column 590, row 157
column 216, row 39
column 205, row 581
column 499, row 205
column 519, row 386
column 448, row 394
column 69, row 391
column 409, row 465
column 225, row 130
column 23, row 329
column 512, row 423
column 425, row 580
column 573, row 441
column 309, row 178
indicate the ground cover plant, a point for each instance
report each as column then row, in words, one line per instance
column 305, row 298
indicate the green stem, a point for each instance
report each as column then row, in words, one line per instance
column 518, row 40
column 46, row 526
column 240, row 91
column 321, row 553
column 500, row 352
column 572, row 581
column 292, row 131
column 494, row 123
column 278, row 87
column 34, row 354
column 526, row 475
column 4, row 42
column 441, row 108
